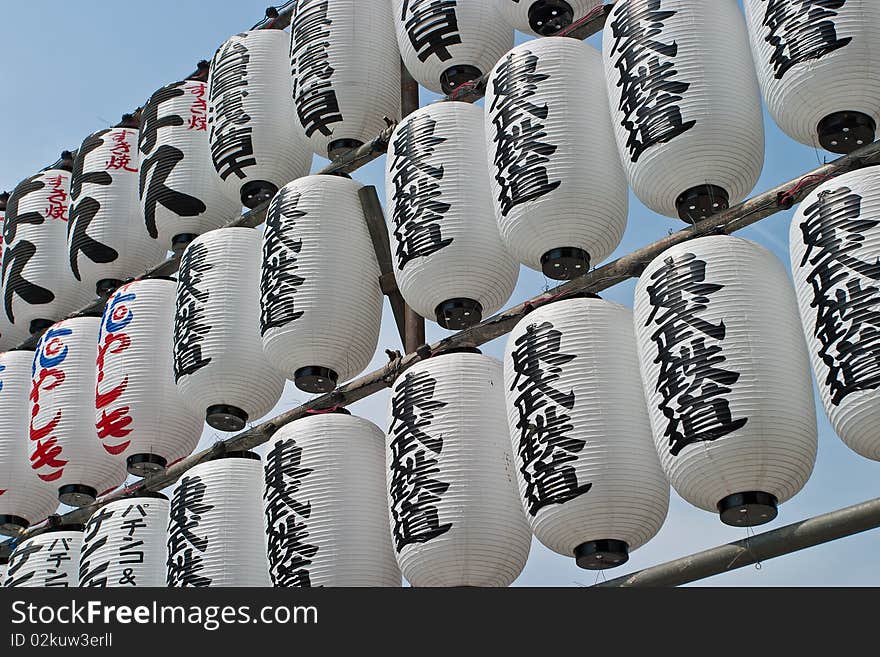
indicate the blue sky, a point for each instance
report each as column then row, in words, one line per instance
column 70, row 68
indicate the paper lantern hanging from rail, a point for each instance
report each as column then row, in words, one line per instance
column 450, row 262
column 181, row 197
column 726, row 376
column 24, row 498
column 447, row 44
column 124, row 543
column 343, row 87
column 544, row 17
column 685, row 104
column 107, row 241
column 215, row 527
column 835, row 259
column 38, row 286
column 456, row 518
column 589, row 477
column 47, row 560
column 326, row 511
column 558, row 210
column 321, row 304
column 219, row 366
column 256, row 143
column 816, row 64
column 64, row 445
column 140, row 418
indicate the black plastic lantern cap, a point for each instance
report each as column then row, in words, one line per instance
column 458, row 314
column 107, row 286
column 256, row 192
column 39, row 325
column 602, row 554
column 565, row 264
column 251, row 456
column 844, row 132
column 315, row 379
column 142, row 465
column 701, row 202
column 10, row 525
column 225, row 418
column 77, row 495
column 455, row 76
column 340, row 147
column 458, row 350
column 181, row 241
column 66, row 161
column 748, row 509
column 547, row 17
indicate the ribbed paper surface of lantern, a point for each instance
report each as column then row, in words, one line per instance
column 562, row 199
column 11, row 335
column 37, row 283
column 343, row 87
column 218, row 357
column 215, row 528
column 64, row 445
column 544, row 17
column 585, row 458
column 696, row 119
column 107, row 239
column 725, row 371
column 180, row 195
column 456, row 518
column 257, row 145
column 325, row 503
column 835, row 250
column 24, row 498
column 321, row 304
column 445, row 44
column 124, row 544
column 444, row 236
column 50, row 559
column 138, row 412
column 814, row 61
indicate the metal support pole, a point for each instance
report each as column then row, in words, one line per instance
column 785, row 540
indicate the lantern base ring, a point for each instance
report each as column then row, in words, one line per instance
column 77, row 495
column 565, row 263
column 459, row 314
column 142, row 465
column 701, row 202
column 315, row 379
column 225, row 418
column 107, row 286
column 748, row 509
column 547, row 17
column 602, row 554
column 257, row 192
column 181, row 241
column 340, row 147
column 455, row 76
column 10, row 525
column 39, row 325
column 844, row 132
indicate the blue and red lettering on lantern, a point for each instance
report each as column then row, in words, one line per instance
column 51, row 352
column 114, row 422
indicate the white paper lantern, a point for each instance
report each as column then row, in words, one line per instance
column 219, row 365
column 726, row 376
column 24, row 498
column 558, row 186
column 256, row 145
column 140, row 418
column 456, row 518
column 817, row 66
column 685, row 104
column 835, row 251
column 64, row 446
column 50, row 559
column 124, row 544
column 446, row 44
column 326, row 508
column 181, row 197
column 343, row 87
column 321, row 304
column 11, row 335
column 589, row 478
column 450, row 262
column 544, row 17
column 38, row 287
column 215, row 529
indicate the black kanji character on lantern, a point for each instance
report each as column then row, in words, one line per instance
column 190, row 327
column 17, row 561
column 279, row 280
column 94, row 576
column 432, row 27
column 187, row 508
column 232, row 147
column 13, row 216
column 160, row 165
column 15, row 284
